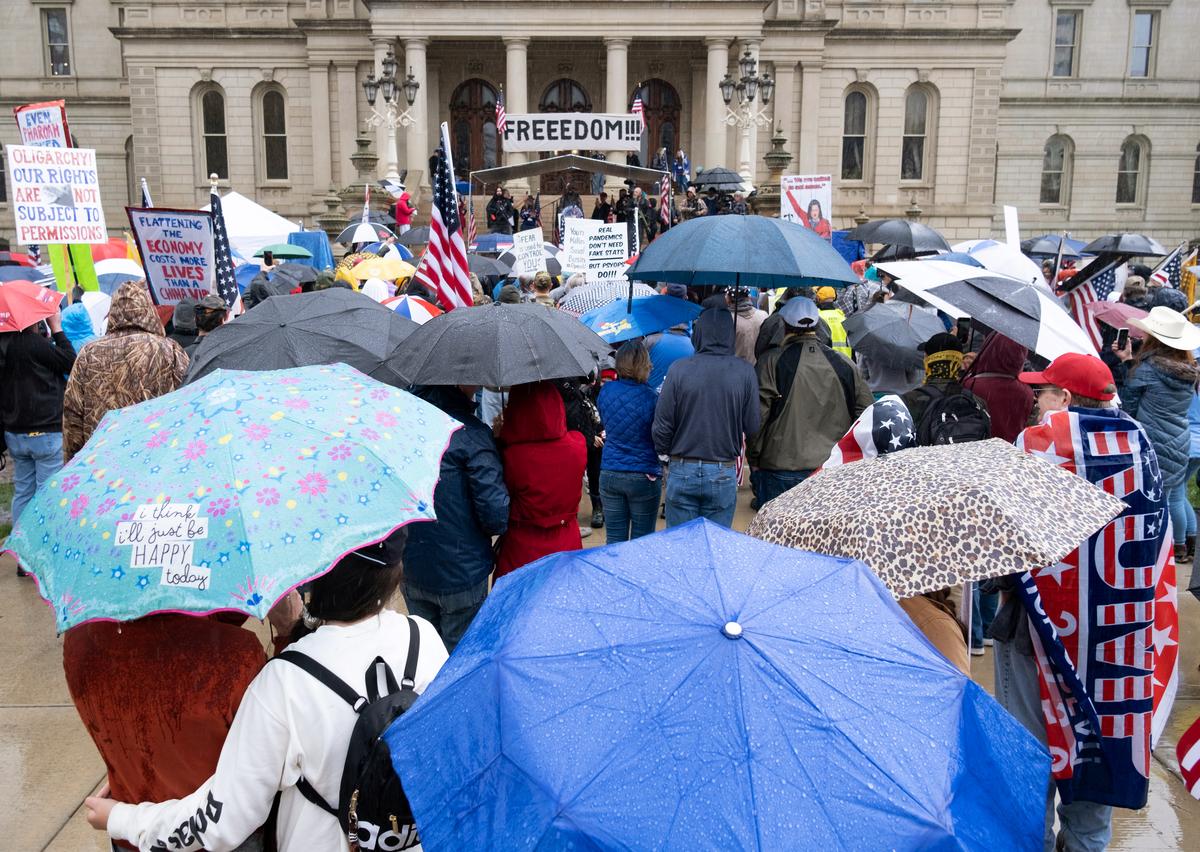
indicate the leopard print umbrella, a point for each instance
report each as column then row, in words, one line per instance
column 931, row 517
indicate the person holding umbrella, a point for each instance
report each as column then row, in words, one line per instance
column 629, row 468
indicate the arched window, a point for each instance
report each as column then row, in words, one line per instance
column 1196, row 178
column 916, row 148
column 473, row 126
column 853, row 136
column 1056, row 171
column 210, row 106
column 1131, row 171
column 272, row 130
column 565, row 96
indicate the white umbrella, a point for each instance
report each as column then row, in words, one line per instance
column 1003, row 258
column 97, row 305
column 1010, row 306
column 119, row 266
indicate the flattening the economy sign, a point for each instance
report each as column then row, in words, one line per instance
column 585, row 131
column 177, row 251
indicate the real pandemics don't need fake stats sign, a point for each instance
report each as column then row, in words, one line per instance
column 55, row 195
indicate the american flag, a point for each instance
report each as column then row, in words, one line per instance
column 35, row 254
column 664, row 201
column 1188, row 752
column 227, row 287
column 1095, row 289
column 443, row 267
column 639, row 108
column 884, row 427
column 1170, row 268
column 1108, row 682
column 466, row 213
column 146, row 201
column 501, row 116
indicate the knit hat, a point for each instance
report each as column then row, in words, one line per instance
column 679, row 291
column 510, row 295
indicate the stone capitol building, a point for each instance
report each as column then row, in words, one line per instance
column 1085, row 114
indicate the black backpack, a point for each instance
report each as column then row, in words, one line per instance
column 956, row 416
column 372, row 807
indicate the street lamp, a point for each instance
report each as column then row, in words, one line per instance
column 389, row 117
column 751, row 86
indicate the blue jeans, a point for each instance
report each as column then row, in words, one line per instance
column 701, row 490
column 36, row 458
column 630, row 502
column 450, row 614
column 769, row 484
column 1085, row 826
column 983, row 610
column 1190, row 512
column 1180, row 507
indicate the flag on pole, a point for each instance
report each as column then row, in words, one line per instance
column 1096, row 288
column 1170, row 268
column 443, row 267
column 639, row 108
column 146, row 202
column 227, row 287
column 35, row 254
column 664, row 201
column 1188, row 752
column 501, row 116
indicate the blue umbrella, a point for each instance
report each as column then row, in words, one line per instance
column 956, row 256
column 492, row 243
column 245, row 273
column 748, row 251
column 379, row 248
column 614, row 321
column 699, row 689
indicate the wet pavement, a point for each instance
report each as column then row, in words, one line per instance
column 48, row 763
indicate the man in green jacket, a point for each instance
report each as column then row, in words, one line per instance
column 809, row 396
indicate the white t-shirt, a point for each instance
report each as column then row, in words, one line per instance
column 288, row 725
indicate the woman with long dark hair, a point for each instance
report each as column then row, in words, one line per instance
column 290, row 727
column 817, row 220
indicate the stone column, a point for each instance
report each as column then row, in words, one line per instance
column 715, row 132
column 417, row 137
column 322, row 148
column 810, row 112
column 616, row 95
column 349, row 94
column 785, row 102
column 697, row 151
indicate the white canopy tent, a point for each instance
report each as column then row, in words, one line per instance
column 250, row 225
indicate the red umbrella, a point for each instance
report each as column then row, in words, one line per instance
column 1118, row 315
column 114, row 248
column 22, row 303
column 12, row 258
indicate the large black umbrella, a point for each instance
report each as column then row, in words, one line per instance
column 718, row 178
column 1047, row 246
column 900, row 232
column 1133, row 245
column 891, row 332
column 485, row 266
column 499, row 346
column 891, row 252
column 324, row 327
column 414, row 237
column 295, row 273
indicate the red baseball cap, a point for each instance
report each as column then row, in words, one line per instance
column 1083, row 375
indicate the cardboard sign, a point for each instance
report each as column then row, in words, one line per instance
column 43, row 125
column 177, row 252
column 529, row 251
column 584, row 131
column 808, row 200
column 600, row 248
column 55, row 195
column 163, row 536
column 1012, row 231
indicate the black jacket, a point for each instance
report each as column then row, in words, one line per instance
column 33, row 378
column 454, row 553
column 710, row 400
column 500, row 215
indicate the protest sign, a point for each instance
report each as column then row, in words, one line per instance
column 529, row 252
column 572, row 131
column 177, row 252
column 164, row 535
column 600, row 248
column 55, row 195
column 807, row 201
column 43, row 125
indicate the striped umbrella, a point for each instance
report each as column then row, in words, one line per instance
column 549, row 250
column 414, row 307
column 583, row 299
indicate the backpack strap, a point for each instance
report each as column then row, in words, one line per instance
column 409, row 680
column 309, row 792
column 335, row 684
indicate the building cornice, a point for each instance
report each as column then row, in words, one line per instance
column 237, row 33
column 924, row 34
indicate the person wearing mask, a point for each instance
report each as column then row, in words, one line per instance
column 131, row 363
column 1161, row 382
column 33, row 373
column 543, row 468
column 211, row 314
column 448, row 561
column 403, row 211
column 183, row 320
column 707, row 409
column 603, row 211
column 291, row 727
column 629, row 469
column 832, row 315
column 500, row 213
column 809, row 395
column 748, row 321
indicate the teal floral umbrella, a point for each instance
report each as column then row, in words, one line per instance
column 229, row 492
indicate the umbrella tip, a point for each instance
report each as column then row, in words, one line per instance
column 732, row 630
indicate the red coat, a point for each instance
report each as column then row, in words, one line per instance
column 993, row 378
column 543, row 469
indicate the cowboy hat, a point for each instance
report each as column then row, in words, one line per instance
column 1169, row 327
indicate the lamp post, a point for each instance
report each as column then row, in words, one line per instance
column 746, row 113
column 390, row 117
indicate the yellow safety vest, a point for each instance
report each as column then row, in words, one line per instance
column 834, row 318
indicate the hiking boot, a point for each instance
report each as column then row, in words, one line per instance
column 1181, row 554
column 1190, row 543
column 597, row 519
